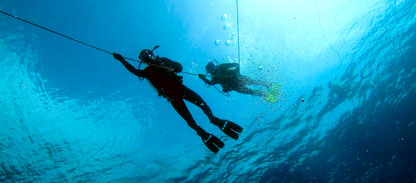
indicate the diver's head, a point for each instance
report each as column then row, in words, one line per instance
column 210, row 67
column 148, row 56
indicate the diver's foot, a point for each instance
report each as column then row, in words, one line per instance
column 212, row 142
column 228, row 127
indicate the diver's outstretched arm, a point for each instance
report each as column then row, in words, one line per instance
column 201, row 76
column 128, row 66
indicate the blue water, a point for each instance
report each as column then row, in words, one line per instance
column 70, row 113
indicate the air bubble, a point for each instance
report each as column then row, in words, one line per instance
column 217, row 42
column 228, row 43
column 260, row 67
column 224, row 17
column 227, row 26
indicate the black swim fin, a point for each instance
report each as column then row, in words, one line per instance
column 212, row 142
column 228, row 127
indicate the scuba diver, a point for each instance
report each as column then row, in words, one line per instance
column 162, row 75
column 229, row 77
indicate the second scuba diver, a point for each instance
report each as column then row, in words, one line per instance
column 161, row 73
column 229, row 77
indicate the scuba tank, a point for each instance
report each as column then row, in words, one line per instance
column 148, row 57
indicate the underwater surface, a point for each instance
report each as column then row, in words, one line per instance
column 70, row 113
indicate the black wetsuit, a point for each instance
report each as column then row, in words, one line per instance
column 229, row 77
column 162, row 75
column 169, row 85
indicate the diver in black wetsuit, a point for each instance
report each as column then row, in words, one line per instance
column 161, row 73
column 228, row 75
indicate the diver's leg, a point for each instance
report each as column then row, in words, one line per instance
column 248, row 81
column 182, row 110
column 228, row 127
column 250, row 91
column 193, row 97
column 211, row 141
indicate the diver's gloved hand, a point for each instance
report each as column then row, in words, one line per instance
column 201, row 76
column 117, row 56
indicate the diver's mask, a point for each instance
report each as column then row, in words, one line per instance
column 148, row 56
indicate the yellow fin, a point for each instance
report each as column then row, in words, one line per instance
column 274, row 93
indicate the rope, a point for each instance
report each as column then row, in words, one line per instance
column 84, row 43
column 63, row 35
column 190, row 73
column 238, row 32
column 323, row 35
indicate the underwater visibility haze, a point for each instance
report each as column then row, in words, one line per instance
column 346, row 111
